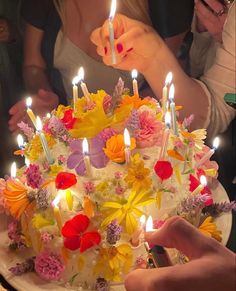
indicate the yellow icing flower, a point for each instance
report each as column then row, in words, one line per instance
column 209, row 228
column 198, row 136
column 54, row 170
column 38, row 221
column 35, row 149
column 101, row 187
column 127, row 211
column 138, row 176
column 113, row 262
column 61, row 110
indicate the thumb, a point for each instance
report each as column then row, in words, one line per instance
column 178, row 233
column 14, row 109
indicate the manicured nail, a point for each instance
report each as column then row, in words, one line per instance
column 129, row 50
column 119, row 47
column 105, row 50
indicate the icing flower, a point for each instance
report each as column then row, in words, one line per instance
column 75, row 236
column 65, row 180
column 2, row 198
column 97, row 157
column 33, row 176
column 68, row 119
column 150, row 130
column 49, row 266
column 132, row 101
column 115, row 148
column 163, row 169
column 89, row 187
column 209, row 228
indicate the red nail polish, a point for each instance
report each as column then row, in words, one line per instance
column 119, row 47
column 129, row 50
column 105, row 50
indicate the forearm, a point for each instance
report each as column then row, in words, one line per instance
column 189, row 93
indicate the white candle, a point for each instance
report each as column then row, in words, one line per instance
column 43, row 140
column 111, row 31
column 168, row 81
column 135, row 82
column 139, row 233
column 29, row 111
column 172, row 110
column 166, row 135
column 56, row 211
column 203, row 183
column 82, row 84
column 13, row 170
column 209, row 154
column 127, row 143
column 87, row 163
column 75, row 90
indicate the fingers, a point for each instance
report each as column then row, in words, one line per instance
column 178, row 233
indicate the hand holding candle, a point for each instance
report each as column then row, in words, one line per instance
column 127, row 143
column 82, row 84
column 111, row 31
column 29, row 111
column 135, row 82
column 86, row 158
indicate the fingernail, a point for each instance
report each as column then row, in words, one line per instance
column 105, row 50
column 129, row 50
column 119, row 47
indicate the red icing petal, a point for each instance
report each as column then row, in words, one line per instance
column 89, row 240
column 65, row 180
column 68, row 230
column 68, row 119
column 194, row 183
column 75, row 226
column 72, row 243
column 163, row 170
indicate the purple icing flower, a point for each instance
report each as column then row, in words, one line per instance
column 49, row 266
column 22, row 268
column 107, row 133
column 33, row 176
column 97, row 156
column 113, row 232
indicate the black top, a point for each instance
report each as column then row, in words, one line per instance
column 169, row 18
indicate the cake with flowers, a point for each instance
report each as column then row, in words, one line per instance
column 91, row 172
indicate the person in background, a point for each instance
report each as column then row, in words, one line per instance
column 211, row 266
column 57, row 44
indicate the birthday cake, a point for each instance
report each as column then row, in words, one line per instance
column 94, row 172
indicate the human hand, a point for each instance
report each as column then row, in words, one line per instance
column 211, row 18
column 211, row 266
column 43, row 102
column 7, row 33
column 136, row 44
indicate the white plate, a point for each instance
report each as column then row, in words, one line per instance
column 32, row 282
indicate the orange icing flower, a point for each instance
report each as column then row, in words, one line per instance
column 174, row 154
column 133, row 101
column 115, row 148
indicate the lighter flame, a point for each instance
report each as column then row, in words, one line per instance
column 203, row 180
column 142, row 220
column 20, row 141
column 39, row 125
column 169, row 78
column 149, row 224
column 113, row 10
column 134, row 74
column 13, row 170
column 85, row 146
column 167, row 119
column 127, row 138
column 77, row 79
column 80, row 74
column 56, row 201
column 172, row 92
column 216, row 143
column 28, row 102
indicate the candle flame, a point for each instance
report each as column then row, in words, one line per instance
column 56, row 201
column 20, row 141
column 203, row 180
column 48, row 115
column 113, row 10
column 27, row 162
column 134, row 74
column 77, row 79
column 80, row 74
column 149, row 224
column 142, row 220
column 216, row 143
column 85, row 146
column 127, row 140
column 167, row 119
column 28, row 102
column 172, row 92
column 13, row 170
column 39, row 125
column 169, row 78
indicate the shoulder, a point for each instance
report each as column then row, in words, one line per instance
column 36, row 12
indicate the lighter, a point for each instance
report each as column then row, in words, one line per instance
column 157, row 257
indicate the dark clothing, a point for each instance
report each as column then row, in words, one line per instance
column 169, row 17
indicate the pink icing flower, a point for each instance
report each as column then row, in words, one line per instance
column 150, row 132
column 61, row 159
column 89, row 187
column 120, row 190
column 107, row 103
column 49, row 266
column 46, row 237
column 2, row 199
column 178, row 144
column 118, row 175
column 34, row 176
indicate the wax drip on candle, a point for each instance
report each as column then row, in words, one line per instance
column 134, row 75
column 127, row 143
column 13, row 170
column 111, row 30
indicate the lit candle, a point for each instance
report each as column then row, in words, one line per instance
column 138, row 235
column 29, row 110
column 172, row 110
column 209, row 154
column 75, row 82
column 135, row 82
column 127, row 143
column 203, row 183
column 82, row 84
column 43, row 140
column 48, row 115
column 168, row 81
column 87, row 163
column 13, row 170
column 56, row 211
column 166, row 135
column 111, row 31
